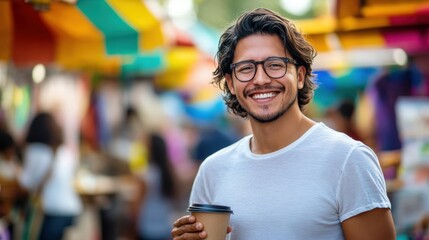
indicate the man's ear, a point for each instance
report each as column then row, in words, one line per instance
column 230, row 84
column 301, row 76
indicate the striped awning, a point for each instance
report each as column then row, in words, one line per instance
column 91, row 34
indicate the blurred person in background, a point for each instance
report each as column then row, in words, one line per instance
column 127, row 157
column 384, row 92
column 211, row 138
column 293, row 178
column 340, row 118
column 126, row 143
column 10, row 190
column 159, row 194
column 49, row 167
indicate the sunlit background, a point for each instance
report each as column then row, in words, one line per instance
column 86, row 61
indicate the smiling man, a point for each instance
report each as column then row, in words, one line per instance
column 293, row 178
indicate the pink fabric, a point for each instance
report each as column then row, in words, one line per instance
column 410, row 40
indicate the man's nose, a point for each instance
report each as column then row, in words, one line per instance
column 261, row 77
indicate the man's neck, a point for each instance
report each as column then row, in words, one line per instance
column 272, row 136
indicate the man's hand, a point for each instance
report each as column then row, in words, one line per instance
column 186, row 228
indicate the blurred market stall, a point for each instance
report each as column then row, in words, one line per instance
column 359, row 40
column 114, row 39
column 98, row 57
column 85, row 35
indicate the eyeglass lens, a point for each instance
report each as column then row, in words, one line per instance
column 273, row 67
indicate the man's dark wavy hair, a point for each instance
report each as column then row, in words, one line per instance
column 267, row 22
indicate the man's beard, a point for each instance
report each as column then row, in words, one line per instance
column 275, row 116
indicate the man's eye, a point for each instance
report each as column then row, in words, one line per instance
column 276, row 65
column 245, row 69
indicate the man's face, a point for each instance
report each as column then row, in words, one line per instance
column 265, row 98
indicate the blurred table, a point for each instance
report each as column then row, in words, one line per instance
column 88, row 184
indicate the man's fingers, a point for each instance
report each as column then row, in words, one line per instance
column 192, row 236
column 186, row 228
column 184, row 220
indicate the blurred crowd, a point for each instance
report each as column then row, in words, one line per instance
column 132, row 180
column 132, row 188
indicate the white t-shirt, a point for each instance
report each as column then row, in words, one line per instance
column 59, row 196
column 303, row 191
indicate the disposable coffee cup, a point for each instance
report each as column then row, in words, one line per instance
column 215, row 219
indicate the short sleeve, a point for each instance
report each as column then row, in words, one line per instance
column 200, row 190
column 361, row 186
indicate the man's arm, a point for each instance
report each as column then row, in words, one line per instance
column 371, row 225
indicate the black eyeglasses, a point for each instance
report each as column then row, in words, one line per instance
column 274, row 67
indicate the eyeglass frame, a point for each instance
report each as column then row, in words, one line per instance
column 256, row 63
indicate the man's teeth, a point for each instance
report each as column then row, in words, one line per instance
column 263, row 95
